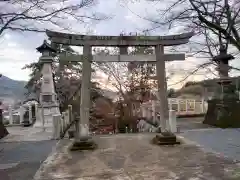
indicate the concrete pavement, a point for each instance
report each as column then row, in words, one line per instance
column 222, row 141
column 23, row 151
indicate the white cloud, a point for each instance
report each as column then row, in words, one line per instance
column 17, row 49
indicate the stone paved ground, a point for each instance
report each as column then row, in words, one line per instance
column 191, row 124
column 22, row 152
column 223, row 141
column 132, row 157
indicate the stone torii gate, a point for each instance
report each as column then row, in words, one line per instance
column 123, row 42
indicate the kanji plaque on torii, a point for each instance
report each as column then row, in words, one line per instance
column 93, row 40
column 123, row 42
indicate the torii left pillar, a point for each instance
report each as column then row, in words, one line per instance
column 48, row 97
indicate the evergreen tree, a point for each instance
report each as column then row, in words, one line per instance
column 67, row 80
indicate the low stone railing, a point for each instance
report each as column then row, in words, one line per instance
column 145, row 125
column 177, row 107
column 180, row 106
column 19, row 119
column 62, row 123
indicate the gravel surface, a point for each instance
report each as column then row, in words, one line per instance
column 132, row 157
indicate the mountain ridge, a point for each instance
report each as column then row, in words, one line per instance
column 12, row 89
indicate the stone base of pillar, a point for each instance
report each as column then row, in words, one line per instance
column 165, row 138
column 84, row 143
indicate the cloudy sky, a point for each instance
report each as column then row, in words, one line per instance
column 18, row 48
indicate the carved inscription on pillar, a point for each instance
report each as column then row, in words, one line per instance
column 47, row 98
column 46, row 80
column 46, row 70
column 47, row 111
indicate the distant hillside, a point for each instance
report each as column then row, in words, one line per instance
column 205, row 88
column 11, row 89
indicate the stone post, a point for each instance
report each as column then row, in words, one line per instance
column 62, row 125
column 56, row 126
column 67, row 117
column 154, row 111
column 74, row 125
column 149, row 111
column 30, row 114
column 172, row 121
column 43, row 118
column 162, row 86
column 70, row 113
column 194, row 105
column 10, row 114
column 178, row 105
column 64, row 120
column 21, row 114
column 39, row 118
column 203, row 106
column 143, row 110
column 85, row 90
column 170, row 104
column 36, row 112
column 36, row 109
column 186, row 105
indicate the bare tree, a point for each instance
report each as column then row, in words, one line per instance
column 36, row 15
column 218, row 17
column 215, row 23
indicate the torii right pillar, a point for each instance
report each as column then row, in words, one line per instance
column 162, row 87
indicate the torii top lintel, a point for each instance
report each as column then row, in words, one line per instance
column 93, row 40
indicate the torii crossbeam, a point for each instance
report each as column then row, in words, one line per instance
column 122, row 58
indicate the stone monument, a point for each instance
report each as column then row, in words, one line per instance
column 48, row 98
column 223, row 111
